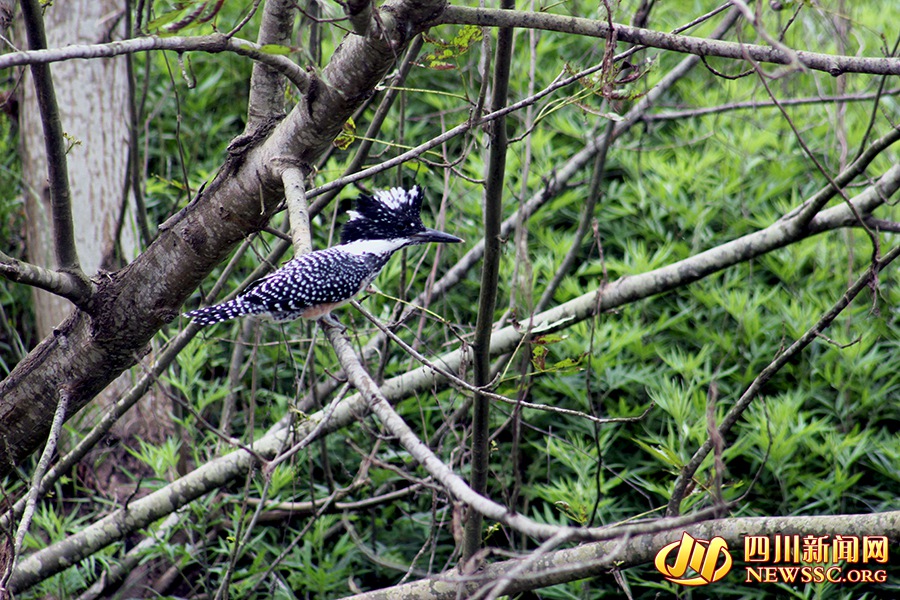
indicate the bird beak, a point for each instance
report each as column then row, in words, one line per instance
column 433, row 235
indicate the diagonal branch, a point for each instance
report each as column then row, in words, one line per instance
column 266, row 83
column 376, row 402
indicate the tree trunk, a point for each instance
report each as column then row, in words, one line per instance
column 93, row 102
column 93, row 98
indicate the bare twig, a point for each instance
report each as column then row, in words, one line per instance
column 587, row 215
column 310, row 507
column 34, row 489
column 490, row 270
column 214, row 43
column 55, row 146
column 809, row 211
column 832, row 64
column 790, row 53
column 244, row 20
column 465, row 385
column 61, row 283
column 677, row 115
column 883, row 225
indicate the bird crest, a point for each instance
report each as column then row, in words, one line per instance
column 388, row 214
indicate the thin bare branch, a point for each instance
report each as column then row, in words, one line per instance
column 677, row 115
column 803, row 215
column 831, row 64
column 55, row 146
column 883, row 225
column 464, row 385
column 587, row 215
column 34, row 490
column 213, row 44
column 490, row 272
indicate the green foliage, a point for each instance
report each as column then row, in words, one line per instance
column 821, row 438
column 452, row 50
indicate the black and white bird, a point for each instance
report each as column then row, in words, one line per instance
column 314, row 284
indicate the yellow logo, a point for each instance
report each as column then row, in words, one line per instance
column 700, row 555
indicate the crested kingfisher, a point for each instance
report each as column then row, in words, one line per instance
column 314, row 284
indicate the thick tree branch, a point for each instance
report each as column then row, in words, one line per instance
column 360, row 15
column 151, row 375
column 603, row 559
column 831, row 64
column 212, row 44
column 61, row 283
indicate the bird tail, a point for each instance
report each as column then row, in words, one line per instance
column 220, row 312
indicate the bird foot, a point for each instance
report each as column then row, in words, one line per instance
column 331, row 320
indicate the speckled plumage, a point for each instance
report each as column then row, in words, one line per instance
column 314, row 284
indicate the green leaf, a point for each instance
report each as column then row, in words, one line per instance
column 347, row 135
